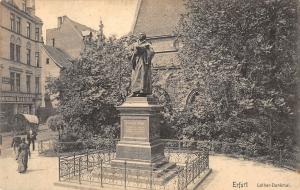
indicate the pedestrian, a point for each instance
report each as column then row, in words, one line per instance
column 29, row 137
column 22, row 157
column 16, row 141
column 33, row 138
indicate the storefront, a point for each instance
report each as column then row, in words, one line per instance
column 16, row 103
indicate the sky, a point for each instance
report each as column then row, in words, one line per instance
column 117, row 15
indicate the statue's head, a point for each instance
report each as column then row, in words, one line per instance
column 142, row 36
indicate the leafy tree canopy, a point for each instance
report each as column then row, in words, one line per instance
column 92, row 86
column 241, row 55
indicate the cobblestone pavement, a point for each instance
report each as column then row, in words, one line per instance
column 43, row 172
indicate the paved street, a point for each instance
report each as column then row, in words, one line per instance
column 43, row 173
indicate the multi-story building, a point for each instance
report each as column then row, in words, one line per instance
column 20, row 68
column 53, row 61
column 69, row 36
column 63, row 44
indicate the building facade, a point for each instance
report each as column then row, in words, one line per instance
column 53, row 61
column 63, row 44
column 69, row 36
column 20, row 67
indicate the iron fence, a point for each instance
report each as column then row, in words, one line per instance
column 94, row 168
column 278, row 157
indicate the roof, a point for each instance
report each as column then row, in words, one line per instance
column 80, row 27
column 157, row 17
column 62, row 59
column 30, row 118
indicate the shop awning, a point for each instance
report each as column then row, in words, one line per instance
column 29, row 118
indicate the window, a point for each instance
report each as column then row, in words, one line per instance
column 18, row 82
column 12, row 51
column 18, row 53
column 37, row 84
column 28, row 56
column 37, row 34
column 37, row 59
column 28, row 80
column 47, row 61
column 28, row 28
column 12, row 81
column 18, row 25
column 12, row 22
column 24, row 5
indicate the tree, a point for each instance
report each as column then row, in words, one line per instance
column 242, row 53
column 91, row 88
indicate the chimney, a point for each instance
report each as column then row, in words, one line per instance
column 59, row 21
column 31, row 7
column 53, row 42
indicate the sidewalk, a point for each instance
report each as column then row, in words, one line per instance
column 42, row 173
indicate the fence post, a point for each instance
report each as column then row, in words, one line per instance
column 193, row 171
column 41, row 147
column 178, row 176
column 79, row 170
column 74, row 163
column 87, row 160
column 101, row 172
column 59, row 168
column 179, row 144
column 280, row 158
column 207, row 158
column 186, row 174
column 125, row 173
column 109, row 156
column 151, row 176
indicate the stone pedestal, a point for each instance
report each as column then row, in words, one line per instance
column 140, row 145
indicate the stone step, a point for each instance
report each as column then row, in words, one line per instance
column 164, row 168
column 165, row 173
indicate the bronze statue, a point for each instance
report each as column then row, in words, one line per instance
column 141, row 84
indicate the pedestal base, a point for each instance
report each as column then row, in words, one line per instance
column 140, row 145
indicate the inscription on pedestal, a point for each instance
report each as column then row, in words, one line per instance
column 135, row 128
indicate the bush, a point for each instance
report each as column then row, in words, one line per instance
column 55, row 122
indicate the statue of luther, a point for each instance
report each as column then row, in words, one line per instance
column 141, row 83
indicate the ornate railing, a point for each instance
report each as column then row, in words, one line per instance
column 278, row 157
column 94, row 168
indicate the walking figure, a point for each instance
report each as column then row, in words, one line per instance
column 31, row 137
column 16, row 141
column 22, row 157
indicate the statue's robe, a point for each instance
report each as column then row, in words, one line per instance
column 141, row 82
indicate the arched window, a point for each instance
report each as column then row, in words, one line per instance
column 191, row 97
